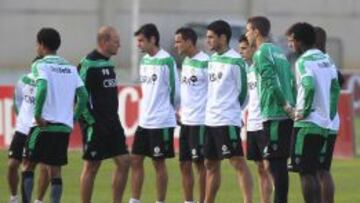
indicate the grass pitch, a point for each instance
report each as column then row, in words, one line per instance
column 345, row 172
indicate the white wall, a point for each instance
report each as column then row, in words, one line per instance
column 78, row 20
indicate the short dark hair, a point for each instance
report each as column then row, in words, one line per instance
column 50, row 38
column 149, row 30
column 302, row 32
column 320, row 35
column 187, row 34
column 243, row 38
column 260, row 23
column 220, row 27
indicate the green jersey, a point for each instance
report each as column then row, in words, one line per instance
column 276, row 81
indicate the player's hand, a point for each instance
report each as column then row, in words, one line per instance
column 41, row 122
column 178, row 118
column 292, row 115
column 289, row 110
column 298, row 116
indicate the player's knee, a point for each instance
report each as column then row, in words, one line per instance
column 323, row 174
column 211, row 165
column 13, row 164
column 261, row 169
column 238, row 164
column 159, row 165
column 136, row 162
column 185, row 166
column 127, row 162
column 308, row 173
column 91, row 168
column 55, row 172
column 124, row 162
column 29, row 166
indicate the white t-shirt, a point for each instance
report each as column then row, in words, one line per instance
column 314, row 64
column 160, row 91
column 62, row 81
column 335, row 123
column 25, row 104
column 254, row 120
column 227, row 89
column 194, row 84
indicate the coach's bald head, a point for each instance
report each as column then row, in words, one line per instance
column 108, row 41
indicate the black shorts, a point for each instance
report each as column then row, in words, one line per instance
column 17, row 145
column 156, row 143
column 222, row 142
column 327, row 152
column 256, row 142
column 25, row 154
column 191, row 143
column 305, row 151
column 103, row 140
column 278, row 134
column 48, row 146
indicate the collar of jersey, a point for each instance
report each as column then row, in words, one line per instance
column 50, row 56
column 311, row 52
column 223, row 54
column 157, row 55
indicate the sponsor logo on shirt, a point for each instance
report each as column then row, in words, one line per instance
column 29, row 99
column 191, row 81
column 324, row 64
column 154, row 77
column 149, row 79
column 213, row 77
column 252, row 85
column 109, row 83
column 61, row 70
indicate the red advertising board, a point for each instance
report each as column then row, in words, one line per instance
column 129, row 97
column 352, row 84
column 7, row 117
column 345, row 142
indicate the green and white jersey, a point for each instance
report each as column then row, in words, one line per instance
column 318, row 89
column 254, row 120
column 61, row 82
column 194, row 84
column 18, row 94
column 335, row 123
column 276, row 81
column 227, row 89
column 25, row 94
column 160, row 91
